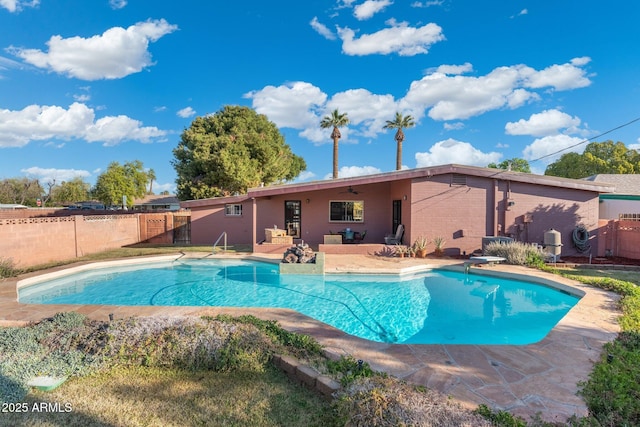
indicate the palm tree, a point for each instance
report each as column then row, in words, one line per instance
column 400, row 122
column 151, row 175
column 335, row 120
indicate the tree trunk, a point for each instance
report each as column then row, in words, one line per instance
column 335, row 158
column 399, row 155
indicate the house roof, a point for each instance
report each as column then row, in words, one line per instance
column 157, row 200
column 425, row 172
column 624, row 183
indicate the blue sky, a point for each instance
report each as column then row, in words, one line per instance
column 84, row 83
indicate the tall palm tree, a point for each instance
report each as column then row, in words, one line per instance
column 151, row 176
column 400, row 122
column 335, row 120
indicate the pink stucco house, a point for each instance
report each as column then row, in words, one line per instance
column 462, row 204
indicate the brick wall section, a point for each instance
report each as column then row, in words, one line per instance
column 33, row 241
column 619, row 238
column 464, row 213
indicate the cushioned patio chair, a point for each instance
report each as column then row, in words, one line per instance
column 395, row 239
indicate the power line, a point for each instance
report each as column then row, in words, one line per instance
column 586, row 140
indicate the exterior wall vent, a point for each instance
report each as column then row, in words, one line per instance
column 458, row 179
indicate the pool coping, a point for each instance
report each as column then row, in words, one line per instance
column 525, row 380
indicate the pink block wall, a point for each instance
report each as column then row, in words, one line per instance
column 463, row 214
column 619, row 238
column 33, row 241
column 207, row 224
column 315, row 221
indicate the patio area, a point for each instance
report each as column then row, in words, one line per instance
column 524, row 380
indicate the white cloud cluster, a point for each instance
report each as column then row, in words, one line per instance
column 18, row 5
column 453, row 151
column 548, row 122
column 52, row 175
column 186, row 112
column 322, row 29
column 114, row 54
column 441, row 95
column 554, row 128
column 399, row 38
column 38, row 123
column 117, row 4
column 369, row 8
column 353, row 171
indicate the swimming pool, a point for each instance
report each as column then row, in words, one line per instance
column 433, row 307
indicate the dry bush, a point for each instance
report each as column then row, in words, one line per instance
column 384, row 401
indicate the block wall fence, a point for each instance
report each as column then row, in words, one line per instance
column 39, row 240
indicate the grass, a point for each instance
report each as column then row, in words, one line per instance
column 154, row 396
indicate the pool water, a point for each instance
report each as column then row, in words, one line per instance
column 435, row 307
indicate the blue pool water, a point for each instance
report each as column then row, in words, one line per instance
column 435, row 307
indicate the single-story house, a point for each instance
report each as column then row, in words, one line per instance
column 462, row 204
column 157, row 203
column 624, row 202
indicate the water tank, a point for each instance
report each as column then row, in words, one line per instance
column 553, row 242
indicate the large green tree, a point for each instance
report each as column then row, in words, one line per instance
column 22, row 191
column 598, row 157
column 67, row 192
column 516, row 164
column 231, row 151
column 335, row 120
column 400, row 122
column 129, row 179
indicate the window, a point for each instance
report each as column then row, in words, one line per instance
column 233, row 210
column 346, row 211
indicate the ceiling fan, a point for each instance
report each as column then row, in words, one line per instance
column 350, row 190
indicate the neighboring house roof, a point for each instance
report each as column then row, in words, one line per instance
column 425, row 172
column 12, row 206
column 624, row 183
column 157, row 200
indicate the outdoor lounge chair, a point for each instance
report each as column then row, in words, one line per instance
column 395, row 239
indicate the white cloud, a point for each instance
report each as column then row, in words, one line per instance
column 454, row 97
column 322, row 29
column 352, row 171
column 455, row 69
column 551, row 145
column 559, row 77
column 292, row 105
column 117, row 4
column 18, row 5
column 37, row 123
column 453, row 126
column 301, row 105
column 114, row 130
column 55, row 175
column 369, row 8
column 159, row 188
column 365, row 109
column 82, row 97
column 549, row 122
column 399, row 38
column 116, row 53
column 427, row 3
column 305, row 176
column 186, row 112
column 453, row 151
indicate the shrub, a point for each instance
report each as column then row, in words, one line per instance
column 385, row 401
column 7, row 268
column 516, row 253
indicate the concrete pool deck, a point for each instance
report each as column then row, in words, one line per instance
column 539, row 378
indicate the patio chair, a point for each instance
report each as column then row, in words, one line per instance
column 395, row 239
